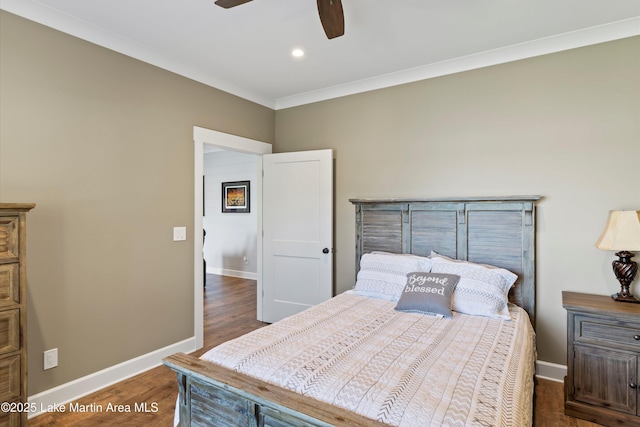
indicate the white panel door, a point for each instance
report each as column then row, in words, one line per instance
column 298, row 232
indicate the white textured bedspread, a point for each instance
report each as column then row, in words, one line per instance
column 402, row 369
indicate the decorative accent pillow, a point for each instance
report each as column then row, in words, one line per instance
column 428, row 293
column 482, row 290
column 383, row 275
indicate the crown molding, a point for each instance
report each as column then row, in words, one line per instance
column 561, row 42
column 49, row 17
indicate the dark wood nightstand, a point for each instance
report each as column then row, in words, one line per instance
column 603, row 358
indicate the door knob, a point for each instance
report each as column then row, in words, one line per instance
column 325, row 251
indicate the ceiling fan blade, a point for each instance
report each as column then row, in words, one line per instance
column 230, row 3
column 332, row 17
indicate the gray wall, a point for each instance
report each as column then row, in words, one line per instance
column 565, row 126
column 103, row 145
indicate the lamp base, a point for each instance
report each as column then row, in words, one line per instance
column 625, row 298
column 625, row 271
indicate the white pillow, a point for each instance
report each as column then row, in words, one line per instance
column 384, row 275
column 482, row 290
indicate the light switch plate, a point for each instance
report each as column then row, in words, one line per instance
column 179, row 233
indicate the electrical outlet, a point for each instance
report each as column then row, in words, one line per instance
column 246, row 260
column 179, row 233
column 51, row 358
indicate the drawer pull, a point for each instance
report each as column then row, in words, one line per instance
column 633, row 386
column 636, row 337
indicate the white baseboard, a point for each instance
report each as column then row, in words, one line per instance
column 233, row 273
column 76, row 389
column 550, row 371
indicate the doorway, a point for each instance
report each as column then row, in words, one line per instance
column 230, row 247
column 202, row 136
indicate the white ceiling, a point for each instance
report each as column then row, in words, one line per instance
column 246, row 50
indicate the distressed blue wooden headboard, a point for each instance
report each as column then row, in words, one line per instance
column 498, row 231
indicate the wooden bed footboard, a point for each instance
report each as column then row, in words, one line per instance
column 211, row 395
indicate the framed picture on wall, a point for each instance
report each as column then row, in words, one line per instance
column 235, row 197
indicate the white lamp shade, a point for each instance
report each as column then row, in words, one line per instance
column 622, row 232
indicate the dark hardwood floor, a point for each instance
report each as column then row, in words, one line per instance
column 229, row 311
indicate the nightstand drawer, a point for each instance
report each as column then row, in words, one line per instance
column 596, row 330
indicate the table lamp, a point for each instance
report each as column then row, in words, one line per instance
column 622, row 234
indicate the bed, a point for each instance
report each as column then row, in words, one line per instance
column 371, row 356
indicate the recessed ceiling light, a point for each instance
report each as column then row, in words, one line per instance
column 297, row 52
